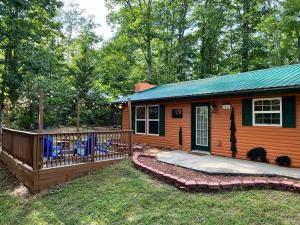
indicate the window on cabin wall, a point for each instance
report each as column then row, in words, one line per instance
column 267, row 112
column 140, row 120
column 153, row 119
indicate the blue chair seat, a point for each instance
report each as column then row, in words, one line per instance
column 50, row 151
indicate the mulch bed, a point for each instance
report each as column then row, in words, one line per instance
column 190, row 174
column 189, row 179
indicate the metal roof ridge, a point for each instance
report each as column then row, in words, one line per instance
column 227, row 75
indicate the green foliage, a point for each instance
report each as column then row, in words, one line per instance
column 195, row 39
column 55, row 51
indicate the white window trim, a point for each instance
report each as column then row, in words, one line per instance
column 197, row 143
column 136, row 119
column 148, row 120
column 259, row 112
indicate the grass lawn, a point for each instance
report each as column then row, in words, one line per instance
column 123, row 195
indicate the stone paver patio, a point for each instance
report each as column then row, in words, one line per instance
column 223, row 165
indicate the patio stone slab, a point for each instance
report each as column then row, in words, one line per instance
column 227, row 166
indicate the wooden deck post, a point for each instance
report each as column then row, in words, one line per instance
column 93, row 148
column 35, row 154
column 41, row 112
column 130, row 144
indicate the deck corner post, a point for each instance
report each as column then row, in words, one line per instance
column 35, row 160
column 13, row 144
column 93, row 148
column 39, row 150
column 130, row 143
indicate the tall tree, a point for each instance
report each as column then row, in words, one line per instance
column 209, row 18
column 83, row 61
column 135, row 19
column 23, row 26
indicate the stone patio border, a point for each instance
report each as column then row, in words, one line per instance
column 203, row 185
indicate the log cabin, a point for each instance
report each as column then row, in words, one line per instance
column 221, row 114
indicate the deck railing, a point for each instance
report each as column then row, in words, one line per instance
column 19, row 144
column 40, row 150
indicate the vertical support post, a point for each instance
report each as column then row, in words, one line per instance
column 40, row 150
column 130, row 113
column 35, row 154
column 13, row 144
column 41, row 112
column 78, row 116
column 93, row 147
column 130, row 143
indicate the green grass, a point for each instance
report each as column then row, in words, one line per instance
column 123, row 195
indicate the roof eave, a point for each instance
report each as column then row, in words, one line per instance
column 223, row 94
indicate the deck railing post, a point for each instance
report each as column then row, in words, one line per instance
column 93, row 147
column 39, row 151
column 12, row 144
column 35, row 155
column 130, row 143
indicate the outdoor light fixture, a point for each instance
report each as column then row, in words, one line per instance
column 120, row 106
column 212, row 107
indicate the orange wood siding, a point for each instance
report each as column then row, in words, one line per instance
column 172, row 126
column 277, row 141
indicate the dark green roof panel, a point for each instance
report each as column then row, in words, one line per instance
column 278, row 77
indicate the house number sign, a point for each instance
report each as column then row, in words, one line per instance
column 226, row 106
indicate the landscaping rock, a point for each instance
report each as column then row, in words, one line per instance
column 248, row 183
column 287, row 184
column 226, row 185
column 191, row 184
column 190, row 180
column 214, row 185
column 236, row 183
column 260, row 182
column 181, row 181
column 297, row 187
column 202, row 184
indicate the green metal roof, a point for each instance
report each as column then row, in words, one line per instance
column 277, row 78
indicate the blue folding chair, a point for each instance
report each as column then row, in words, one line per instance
column 79, row 148
column 88, row 144
column 50, row 151
column 103, row 147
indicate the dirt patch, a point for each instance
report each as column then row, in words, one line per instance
column 189, row 174
column 11, row 184
column 20, row 191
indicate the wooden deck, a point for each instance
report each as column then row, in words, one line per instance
column 41, row 160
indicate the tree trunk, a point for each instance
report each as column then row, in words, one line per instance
column 245, row 36
column 41, row 112
column 202, row 53
column 149, row 38
column 181, row 31
column 78, row 116
column 149, row 58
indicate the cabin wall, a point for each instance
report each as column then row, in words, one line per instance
column 277, row 141
column 172, row 126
